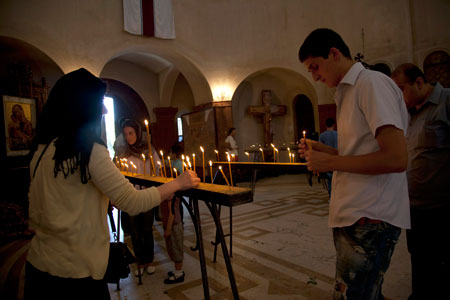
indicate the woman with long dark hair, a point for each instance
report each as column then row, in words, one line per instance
column 72, row 181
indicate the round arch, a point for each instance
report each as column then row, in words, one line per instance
column 285, row 85
column 171, row 63
column 436, row 67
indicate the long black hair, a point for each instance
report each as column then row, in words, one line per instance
column 72, row 117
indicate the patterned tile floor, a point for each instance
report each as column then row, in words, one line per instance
column 282, row 248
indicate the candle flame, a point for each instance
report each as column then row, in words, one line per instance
column 193, row 154
column 228, row 157
column 201, row 149
column 273, row 146
column 220, row 167
column 246, row 153
column 175, row 170
column 216, row 151
column 168, row 157
column 260, row 149
column 160, row 151
column 146, row 122
column 143, row 156
column 159, row 163
column 182, row 156
column 210, row 163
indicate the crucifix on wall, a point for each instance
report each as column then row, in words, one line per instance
column 267, row 111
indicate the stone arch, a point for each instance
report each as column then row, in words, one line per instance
column 167, row 63
column 436, row 67
column 382, row 67
column 303, row 116
column 15, row 51
column 127, row 103
column 285, row 84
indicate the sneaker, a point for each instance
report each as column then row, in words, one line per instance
column 138, row 272
column 150, row 269
column 173, row 279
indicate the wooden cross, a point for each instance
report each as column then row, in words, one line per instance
column 267, row 111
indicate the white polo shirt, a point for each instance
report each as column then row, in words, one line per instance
column 367, row 100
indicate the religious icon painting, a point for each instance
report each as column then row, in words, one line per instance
column 20, row 123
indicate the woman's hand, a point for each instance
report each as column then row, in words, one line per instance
column 187, row 180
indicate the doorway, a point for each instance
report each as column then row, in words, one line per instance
column 303, row 116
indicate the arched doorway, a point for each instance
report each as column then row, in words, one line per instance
column 437, row 68
column 303, row 116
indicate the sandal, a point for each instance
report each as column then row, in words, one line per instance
column 173, row 279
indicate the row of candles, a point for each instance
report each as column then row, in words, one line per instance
column 186, row 164
column 123, row 165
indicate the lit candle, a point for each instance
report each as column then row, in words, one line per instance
column 193, row 160
column 229, row 168
column 126, row 165
column 220, row 168
column 184, row 166
column 188, row 162
column 163, row 163
column 262, row 153
column 170, row 167
column 289, row 153
column 150, row 151
column 190, row 166
column 182, row 162
column 248, row 155
column 159, row 168
column 276, row 150
column 274, row 156
column 135, row 169
column 217, row 153
column 210, row 171
column 293, row 157
column 304, row 134
column 175, row 170
column 203, row 162
column 143, row 158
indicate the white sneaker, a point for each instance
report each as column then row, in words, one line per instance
column 151, row 269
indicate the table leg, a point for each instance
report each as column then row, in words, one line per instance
column 201, row 253
column 214, row 212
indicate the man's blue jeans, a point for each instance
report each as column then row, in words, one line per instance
column 363, row 255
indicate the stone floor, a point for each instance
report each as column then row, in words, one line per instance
column 282, row 248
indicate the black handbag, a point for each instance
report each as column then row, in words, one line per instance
column 120, row 257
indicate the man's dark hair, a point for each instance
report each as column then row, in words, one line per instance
column 329, row 122
column 411, row 72
column 319, row 42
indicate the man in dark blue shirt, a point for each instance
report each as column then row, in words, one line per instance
column 329, row 138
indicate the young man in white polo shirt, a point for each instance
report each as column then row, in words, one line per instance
column 369, row 201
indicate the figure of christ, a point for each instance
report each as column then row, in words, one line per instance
column 267, row 111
